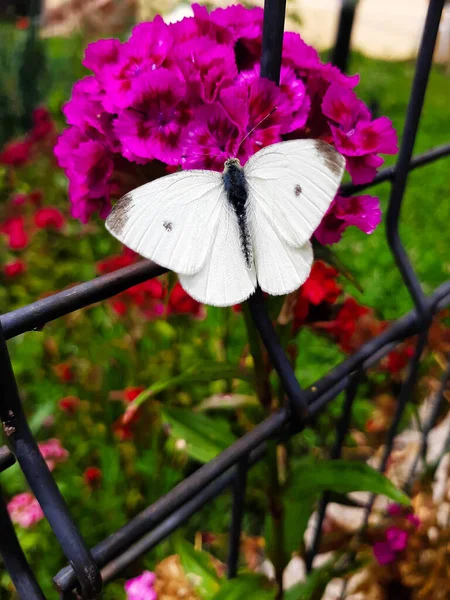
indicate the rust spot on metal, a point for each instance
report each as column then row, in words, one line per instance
column 9, row 429
column 331, row 157
column 298, row 190
column 119, row 215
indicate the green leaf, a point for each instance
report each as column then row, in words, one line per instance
column 248, row 586
column 312, row 477
column 198, row 568
column 325, row 253
column 205, row 437
column 206, row 371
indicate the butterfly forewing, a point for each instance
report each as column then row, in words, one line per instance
column 172, row 220
column 294, row 184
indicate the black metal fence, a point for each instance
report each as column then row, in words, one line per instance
column 89, row 569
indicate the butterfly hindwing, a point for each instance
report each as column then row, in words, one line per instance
column 172, row 220
column 224, row 279
column 294, row 183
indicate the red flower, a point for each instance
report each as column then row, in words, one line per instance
column 48, row 217
column 147, row 290
column 92, row 476
column 397, row 360
column 112, row 263
column 42, row 124
column 15, row 154
column 64, row 372
column 321, row 284
column 119, row 307
column 14, row 268
column 131, row 393
column 346, row 323
column 181, row 303
column 36, row 197
column 69, row 404
column 14, row 230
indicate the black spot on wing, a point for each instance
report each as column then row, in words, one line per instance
column 119, row 215
column 331, row 157
column 298, row 189
column 168, row 226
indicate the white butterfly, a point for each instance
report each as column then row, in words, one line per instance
column 224, row 233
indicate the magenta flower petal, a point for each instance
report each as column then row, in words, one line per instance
column 384, row 553
column 141, row 587
column 361, row 211
column 342, row 106
column 154, row 127
column 397, row 538
column 363, row 168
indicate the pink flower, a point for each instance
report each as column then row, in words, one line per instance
column 14, row 268
column 361, row 211
column 397, row 538
column 16, row 154
column 154, row 126
column 141, row 587
column 19, row 199
column 53, row 452
column 187, row 94
column 384, row 553
column 25, row 510
column 48, row 217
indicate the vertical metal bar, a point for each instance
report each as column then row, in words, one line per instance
column 341, row 51
column 272, row 39
column 277, row 355
column 342, row 429
column 34, row 467
column 237, row 514
column 405, row 394
column 415, row 105
column 422, row 451
column 15, row 562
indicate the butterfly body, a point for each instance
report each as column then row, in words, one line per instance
column 225, row 233
column 236, row 189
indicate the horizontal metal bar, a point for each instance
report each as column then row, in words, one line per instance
column 388, row 173
column 36, row 315
column 152, row 516
column 162, row 531
column 319, row 394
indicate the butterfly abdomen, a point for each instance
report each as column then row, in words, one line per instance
column 237, row 194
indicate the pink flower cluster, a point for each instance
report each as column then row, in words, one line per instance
column 185, row 95
column 25, row 510
column 395, row 537
column 141, row 587
column 53, row 452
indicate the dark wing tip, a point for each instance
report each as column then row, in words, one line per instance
column 118, row 217
column 333, row 160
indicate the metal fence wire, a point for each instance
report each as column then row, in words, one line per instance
column 89, row 569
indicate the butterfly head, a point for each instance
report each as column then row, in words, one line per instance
column 232, row 162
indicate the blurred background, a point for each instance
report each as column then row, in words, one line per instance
column 79, row 375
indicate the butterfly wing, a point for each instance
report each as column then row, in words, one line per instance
column 293, row 183
column 224, row 278
column 172, row 220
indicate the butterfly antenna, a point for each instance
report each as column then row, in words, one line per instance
column 255, row 127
